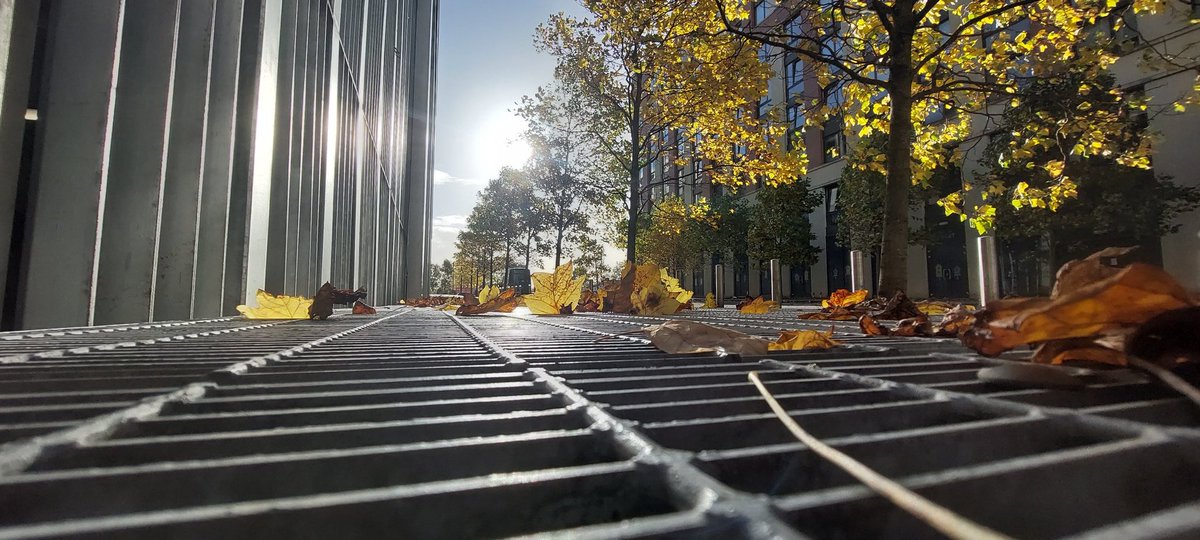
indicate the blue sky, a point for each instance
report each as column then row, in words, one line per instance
column 486, row 62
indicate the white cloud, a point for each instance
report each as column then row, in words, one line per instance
column 444, row 234
column 441, row 178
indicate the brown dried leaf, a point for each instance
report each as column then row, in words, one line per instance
column 1082, row 272
column 757, row 306
column 689, row 337
column 913, row 327
column 803, row 340
column 898, row 307
column 1169, row 339
column 346, row 296
column 362, row 309
column 1077, row 350
column 843, row 298
column 955, row 322
column 504, row 302
column 871, row 327
column 322, row 306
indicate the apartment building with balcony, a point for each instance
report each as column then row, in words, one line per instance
column 947, row 267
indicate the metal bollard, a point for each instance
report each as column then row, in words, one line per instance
column 857, row 279
column 719, row 284
column 776, row 281
column 989, row 271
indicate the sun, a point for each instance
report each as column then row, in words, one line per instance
column 499, row 142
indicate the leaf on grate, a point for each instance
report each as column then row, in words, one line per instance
column 362, row 309
column 898, row 307
column 710, row 301
column 346, row 296
column 803, row 340
column 591, row 301
column 271, row 306
column 646, row 289
column 322, row 304
column 488, row 293
column 503, row 302
column 1085, row 313
column 689, row 337
column 555, row 293
column 843, row 298
column 938, row 307
column 756, row 306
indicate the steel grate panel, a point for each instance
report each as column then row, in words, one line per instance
column 416, row 421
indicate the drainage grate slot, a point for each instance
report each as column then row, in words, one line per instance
column 96, row 492
column 741, row 432
column 684, row 410
column 1046, row 496
column 139, row 450
column 796, row 469
column 741, row 389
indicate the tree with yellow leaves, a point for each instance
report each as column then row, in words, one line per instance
column 663, row 75
column 928, row 73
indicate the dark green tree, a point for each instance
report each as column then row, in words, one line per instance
column 779, row 227
column 1116, row 206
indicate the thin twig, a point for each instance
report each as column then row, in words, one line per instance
column 1168, row 378
column 937, row 516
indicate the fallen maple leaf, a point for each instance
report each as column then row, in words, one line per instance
column 689, row 337
column 898, row 307
column 554, row 293
column 322, row 304
column 503, row 302
column 488, row 293
column 843, row 298
column 621, row 293
column 680, row 294
column 757, row 306
column 1082, row 272
column 589, row 302
column 346, row 296
column 362, row 309
column 803, row 340
column 710, row 301
column 271, row 306
column 654, row 299
column 1084, row 321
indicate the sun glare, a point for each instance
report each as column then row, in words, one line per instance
column 499, row 142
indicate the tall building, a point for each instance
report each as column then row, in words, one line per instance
column 948, row 267
column 164, row 159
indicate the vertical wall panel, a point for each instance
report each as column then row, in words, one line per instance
column 189, row 152
column 74, row 123
column 212, row 224
column 141, row 125
column 181, row 198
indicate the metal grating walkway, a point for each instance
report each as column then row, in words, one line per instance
column 415, row 423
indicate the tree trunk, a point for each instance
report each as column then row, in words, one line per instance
column 893, row 264
column 558, row 241
column 635, row 154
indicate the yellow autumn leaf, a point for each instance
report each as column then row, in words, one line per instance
column 710, row 301
column 676, row 290
column 654, row 299
column 803, row 340
column 756, row 307
column 271, row 306
column 488, row 293
column 554, row 291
